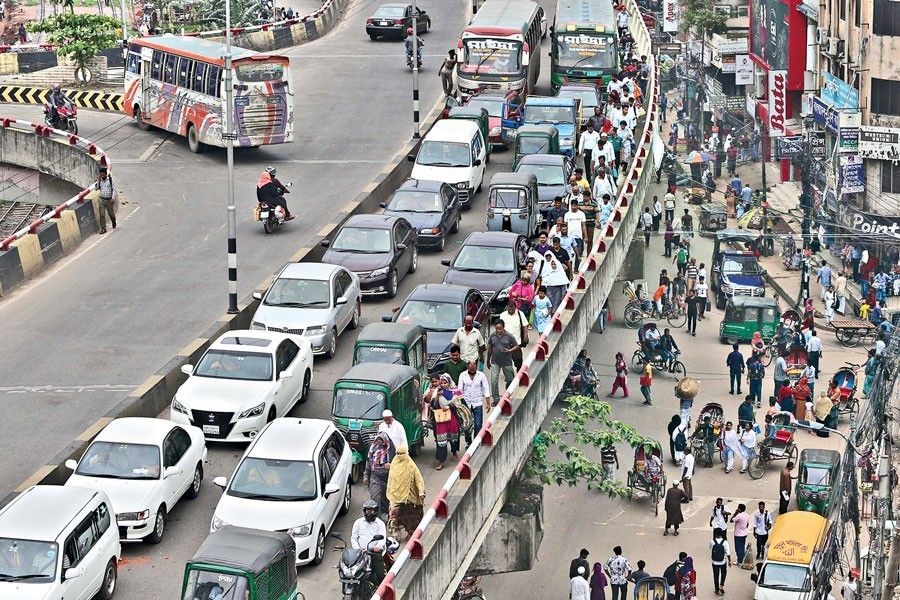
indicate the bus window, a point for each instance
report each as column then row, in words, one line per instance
column 169, row 68
column 134, row 63
column 212, row 80
column 197, row 79
column 156, row 65
column 185, row 66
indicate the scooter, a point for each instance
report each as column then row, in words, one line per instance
column 270, row 215
column 409, row 62
column 355, row 567
column 468, row 589
column 68, row 118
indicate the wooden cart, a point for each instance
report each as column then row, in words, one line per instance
column 850, row 332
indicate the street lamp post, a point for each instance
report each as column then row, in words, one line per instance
column 230, row 136
column 415, row 64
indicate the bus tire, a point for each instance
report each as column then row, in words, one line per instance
column 139, row 118
column 194, row 140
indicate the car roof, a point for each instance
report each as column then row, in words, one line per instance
column 393, row 4
column 583, row 86
column 452, row 130
column 523, row 179
column 732, row 233
column 499, row 239
column 290, row 439
column 247, row 335
column 244, row 549
column 403, row 333
column 820, row 456
column 543, row 159
column 372, row 221
column 136, row 430
column 309, row 270
column 42, row 512
column 439, row 291
column 424, row 185
column 392, row 376
column 491, row 95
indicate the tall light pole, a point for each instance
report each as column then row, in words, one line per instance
column 230, row 136
column 415, row 64
column 124, row 34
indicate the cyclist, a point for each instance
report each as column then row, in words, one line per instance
column 659, row 298
column 651, row 340
column 706, row 433
column 668, row 347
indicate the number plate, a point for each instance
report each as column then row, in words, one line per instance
column 211, row 429
column 355, row 425
column 264, row 215
column 383, row 23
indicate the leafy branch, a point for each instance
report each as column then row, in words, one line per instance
column 702, row 17
column 78, row 37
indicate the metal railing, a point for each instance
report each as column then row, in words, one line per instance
column 266, row 26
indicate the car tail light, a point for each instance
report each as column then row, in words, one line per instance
column 399, row 21
column 459, row 44
column 368, row 21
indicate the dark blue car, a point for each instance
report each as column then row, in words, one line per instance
column 737, row 273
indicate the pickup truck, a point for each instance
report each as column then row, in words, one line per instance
column 562, row 113
column 736, row 273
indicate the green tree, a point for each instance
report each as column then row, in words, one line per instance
column 78, row 37
column 700, row 16
column 243, row 13
column 585, row 423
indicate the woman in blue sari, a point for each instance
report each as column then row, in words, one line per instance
column 870, row 370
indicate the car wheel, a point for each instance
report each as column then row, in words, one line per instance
column 331, row 350
column 159, row 526
column 415, row 260
column 732, row 340
column 373, row 37
column 271, row 416
column 345, row 505
column 480, row 185
column 304, row 389
column 319, row 555
column 110, row 577
column 455, row 228
column 354, row 322
column 720, row 301
column 194, row 490
column 442, row 244
column 427, row 25
column 392, row 284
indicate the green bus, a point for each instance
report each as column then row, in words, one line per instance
column 584, row 47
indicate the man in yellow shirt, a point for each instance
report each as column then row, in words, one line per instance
column 580, row 180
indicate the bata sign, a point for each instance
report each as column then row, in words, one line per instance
column 777, row 103
column 670, row 15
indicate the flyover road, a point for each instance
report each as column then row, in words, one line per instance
column 82, row 335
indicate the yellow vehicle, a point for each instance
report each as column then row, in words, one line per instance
column 794, row 541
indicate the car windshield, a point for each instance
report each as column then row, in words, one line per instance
column 784, row 577
column 493, row 57
column 501, row 198
column 234, row 364
column 577, row 50
column 362, row 240
column 118, row 460
column 358, row 403
column 744, row 267
column 433, row 315
column 549, row 114
column 390, row 12
column 534, row 145
column 493, row 106
column 29, row 561
column 588, row 98
column 299, row 293
column 816, row 476
column 417, row 202
column 208, row 585
column 443, row 154
column 546, row 174
column 485, row 259
column 272, row 479
column 379, row 354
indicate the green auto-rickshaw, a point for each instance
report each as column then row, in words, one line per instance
column 235, row 563
column 513, row 204
column 535, row 139
column 363, row 393
column 819, row 469
column 745, row 315
column 393, row 344
column 479, row 116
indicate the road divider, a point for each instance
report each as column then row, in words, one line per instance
column 20, row 94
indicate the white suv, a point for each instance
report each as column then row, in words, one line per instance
column 294, row 477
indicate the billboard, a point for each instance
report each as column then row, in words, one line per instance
column 777, row 103
column 670, row 15
column 769, row 32
column 853, row 177
column 743, row 70
column 837, row 93
column 881, row 143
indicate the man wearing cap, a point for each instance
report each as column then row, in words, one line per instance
column 602, row 184
column 674, row 516
column 578, row 585
column 393, row 429
column 108, row 196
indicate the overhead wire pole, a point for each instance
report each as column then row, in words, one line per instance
column 415, row 64
column 229, row 136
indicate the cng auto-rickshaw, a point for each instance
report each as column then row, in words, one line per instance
column 479, row 116
column 235, row 563
column 513, row 204
column 393, row 344
column 819, row 470
column 745, row 315
column 535, row 139
column 363, row 393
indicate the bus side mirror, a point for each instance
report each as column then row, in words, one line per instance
column 525, row 60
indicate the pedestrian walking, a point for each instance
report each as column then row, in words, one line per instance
column 621, row 376
column 578, row 586
column 687, row 580
column 687, row 472
column 588, row 144
column 721, row 560
column 394, row 430
column 441, row 397
column 581, row 561
column 741, row 522
column 671, row 575
column 679, row 440
column 515, row 323
column 609, row 460
column 543, row 308
column 618, row 569
column 745, row 412
column 674, row 423
column 831, row 303
column 762, row 523
column 603, row 317
column 108, row 196
column 681, row 253
column 647, row 225
column 598, row 583
column 692, row 303
column 748, row 446
column 780, row 374
column 668, row 237
column 823, row 276
column 378, row 464
column 840, row 290
column 657, row 210
column 735, row 364
column 731, row 446
column 553, row 276
column 756, row 372
column 784, row 487
column 646, row 382
column 23, row 35
column 406, row 493
column 718, row 520
column 663, row 105
column 691, row 270
column 849, row 588
column 702, row 297
column 501, row 346
column 476, row 392
column 470, row 341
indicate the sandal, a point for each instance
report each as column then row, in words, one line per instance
column 439, row 467
column 676, row 532
column 666, row 532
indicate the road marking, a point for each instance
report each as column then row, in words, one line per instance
column 93, row 430
column 36, row 478
column 66, row 389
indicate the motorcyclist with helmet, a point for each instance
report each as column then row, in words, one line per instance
column 364, row 529
column 409, row 45
column 56, row 100
column 271, row 191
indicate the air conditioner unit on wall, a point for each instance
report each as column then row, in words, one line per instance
column 821, row 36
column 835, row 47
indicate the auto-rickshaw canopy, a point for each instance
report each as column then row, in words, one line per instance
column 248, row 550
column 820, row 456
column 514, row 179
column 402, row 334
column 390, row 376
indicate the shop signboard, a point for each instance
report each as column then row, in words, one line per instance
column 789, row 146
column 838, row 94
column 732, row 46
column 882, row 143
column 848, row 139
column 670, row 15
column 853, row 177
column 728, row 64
column 824, row 115
column 777, row 103
column 734, row 103
column 743, row 70
column 817, row 145
column 769, row 32
column 851, row 217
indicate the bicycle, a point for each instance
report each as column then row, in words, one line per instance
column 658, row 362
column 635, row 314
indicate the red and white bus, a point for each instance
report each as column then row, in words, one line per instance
column 176, row 83
column 500, row 48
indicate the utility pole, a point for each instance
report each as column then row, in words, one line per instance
column 415, row 64
column 884, row 503
column 805, row 204
column 893, row 559
column 124, row 33
column 230, row 136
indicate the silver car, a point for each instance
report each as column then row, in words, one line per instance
column 315, row 300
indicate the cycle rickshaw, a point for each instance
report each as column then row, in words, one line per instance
column 656, row 356
column 845, row 379
column 779, row 445
column 647, row 475
column 704, row 450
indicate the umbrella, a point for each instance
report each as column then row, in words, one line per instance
column 696, row 158
column 753, row 218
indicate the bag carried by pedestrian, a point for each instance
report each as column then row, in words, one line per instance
column 718, row 551
column 441, row 415
column 680, row 442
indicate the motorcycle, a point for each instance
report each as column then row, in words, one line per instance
column 468, row 589
column 355, row 567
column 271, row 216
column 67, row 116
column 409, row 62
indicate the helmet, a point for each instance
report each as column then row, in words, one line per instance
column 370, row 510
column 409, row 31
column 270, row 170
column 57, row 87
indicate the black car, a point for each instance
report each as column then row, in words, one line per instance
column 430, row 206
column 378, row 248
column 441, row 310
column 392, row 20
column 552, row 172
column 588, row 93
column 489, row 261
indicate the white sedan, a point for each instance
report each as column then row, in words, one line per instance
column 145, row 466
column 243, row 381
column 294, row 477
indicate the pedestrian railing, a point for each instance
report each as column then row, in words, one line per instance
column 267, row 26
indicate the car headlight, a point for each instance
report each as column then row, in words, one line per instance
column 462, row 185
column 379, row 272
column 726, row 288
column 302, row 531
column 253, row 412
column 179, row 407
column 825, row 494
column 431, row 230
column 217, row 523
column 256, row 325
column 133, row 516
column 503, row 294
column 316, row 330
column 495, row 130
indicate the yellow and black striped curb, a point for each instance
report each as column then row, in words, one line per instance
column 17, row 94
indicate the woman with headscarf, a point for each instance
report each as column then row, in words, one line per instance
column 406, row 492
column 554, row 278
column 731, row 446
column 675, row 497
column 522, row 293
column 809, row 314
column 598, row 583
column 822, row 409
column 757, row 346
column 687, row 580
column 870, row 370
column 446, row 424
column 802, row 394
column 378, row 464
column 674, row 423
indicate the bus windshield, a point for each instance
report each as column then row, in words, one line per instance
column 579, row 50
column 256, row 72
column 493, row 57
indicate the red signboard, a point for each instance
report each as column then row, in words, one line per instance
column 778, row 38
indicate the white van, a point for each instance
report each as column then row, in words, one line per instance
column 58, row 542
column 454, row 152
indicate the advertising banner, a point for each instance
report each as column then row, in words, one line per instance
column 848, row 139
column 882, row 143
column 853, row 177
column 670, row 15
column 837, row 93
column 825, row 116
column 817, row 145
column 777, row 103
column 743, row 70
column 850, row 216
column 769, row 32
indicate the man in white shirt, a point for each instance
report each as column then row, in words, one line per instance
column 578, row 586
column 687, row 472
column 622, row 20
column 607, row 150
column 470, row 341
column 602, row 183
column 669, row 205
column 702, row 290
column 393, row 429
column 657, row 213
column 576, row 219
column 364, row 529
column 624, row 133
column 516, row 324
column 849, row 588
column 762, row 523
column 477, row 393
column 587, row 145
